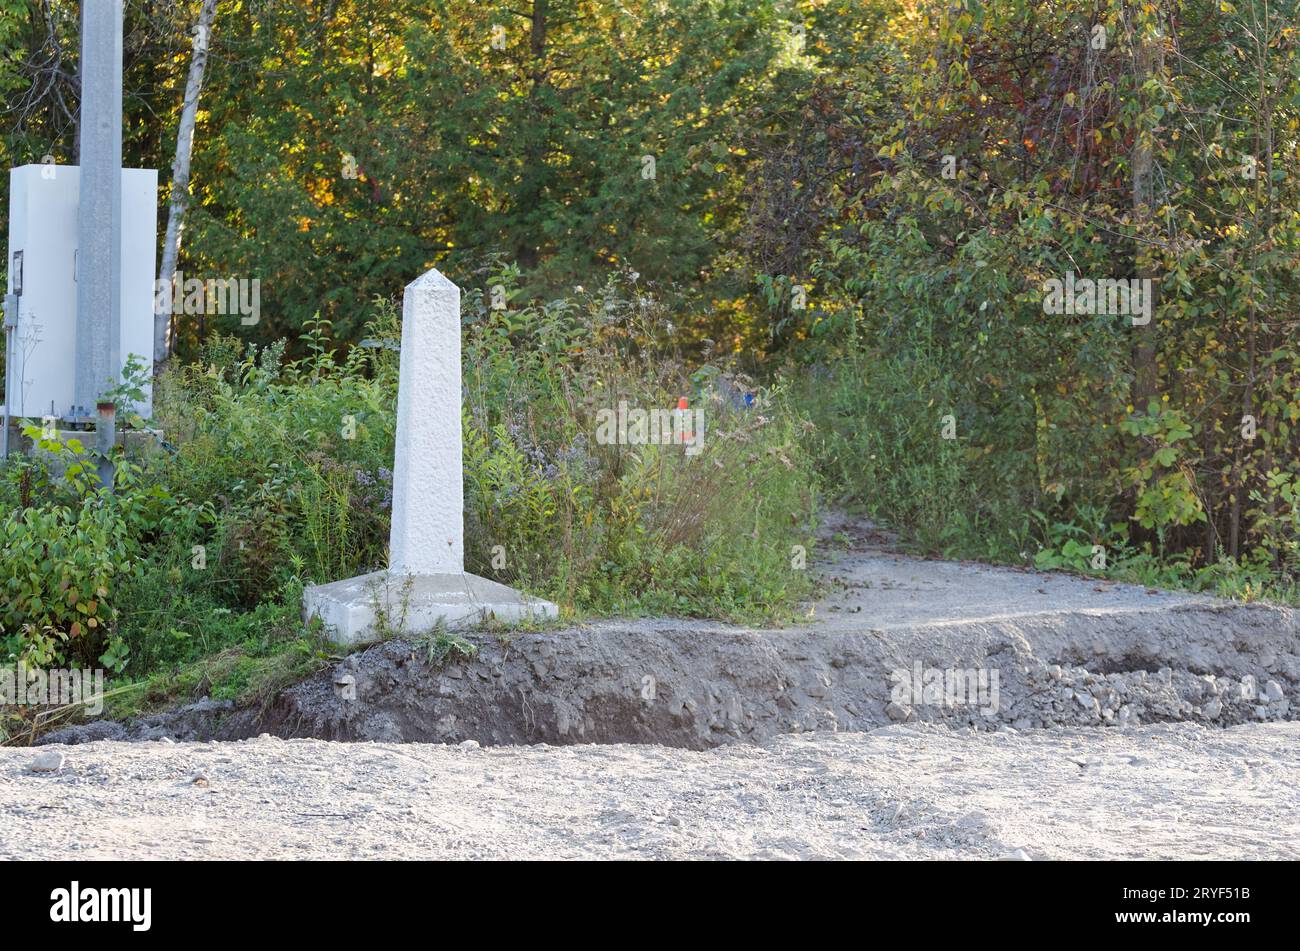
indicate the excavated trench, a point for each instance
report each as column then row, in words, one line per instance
column 688, row 686
column 898, row 640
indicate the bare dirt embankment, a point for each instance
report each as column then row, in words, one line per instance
column 1066, row 651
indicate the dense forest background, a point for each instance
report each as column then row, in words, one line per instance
column 342, row 147
column 850, row 207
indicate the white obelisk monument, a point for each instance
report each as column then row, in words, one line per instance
column 426, row 579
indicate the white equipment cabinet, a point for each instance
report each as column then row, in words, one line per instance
column 41, row 356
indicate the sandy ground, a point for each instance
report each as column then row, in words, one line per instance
column 908, row 791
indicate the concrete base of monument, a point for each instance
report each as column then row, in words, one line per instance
column 384, row 602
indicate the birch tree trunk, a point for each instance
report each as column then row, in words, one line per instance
column 163, row 324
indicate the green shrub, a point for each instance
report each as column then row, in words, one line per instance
column 626, row 528
column 59, row 573
column 275, row 476
column 63, row 562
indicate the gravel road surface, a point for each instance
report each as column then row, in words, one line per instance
column 919, row 791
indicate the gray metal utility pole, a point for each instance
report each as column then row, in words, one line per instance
column 99, row 225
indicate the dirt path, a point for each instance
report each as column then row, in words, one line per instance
column 925, row 791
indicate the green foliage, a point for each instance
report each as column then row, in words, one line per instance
column 625, row 528
column 365, row 141
column 129, row 390
column 60, row 570
column 275, row 476
column 70, row 550
column 1166, row 490
column 800, row 266
column 1073, row 555
column 996, row 165
column 441, row 645
column 879, row 438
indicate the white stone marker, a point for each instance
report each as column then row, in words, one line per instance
column 426, row 579
column 428, row 501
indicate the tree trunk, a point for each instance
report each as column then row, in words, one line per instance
column 534, row 173
column 163, row 335
column 1148, row 54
